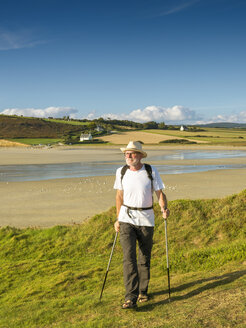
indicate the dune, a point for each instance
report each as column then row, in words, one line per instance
column 7, row 143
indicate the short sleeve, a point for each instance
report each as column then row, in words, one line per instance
column 157, row 181
column 117, row 182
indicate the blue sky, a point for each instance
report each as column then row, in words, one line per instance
column 179, row 61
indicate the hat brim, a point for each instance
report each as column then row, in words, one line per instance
column 133, row 149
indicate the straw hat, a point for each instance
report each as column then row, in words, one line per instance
column 134, row 146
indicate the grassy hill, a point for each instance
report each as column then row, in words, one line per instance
column 48, row 131
column 224, row 125
column 24, row 127
column 53, row 277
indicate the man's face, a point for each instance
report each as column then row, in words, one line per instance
column 133, row 158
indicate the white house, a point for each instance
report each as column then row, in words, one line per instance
column 85, row 137
column 183, row 128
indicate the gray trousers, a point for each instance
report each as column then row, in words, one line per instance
column 136, row 271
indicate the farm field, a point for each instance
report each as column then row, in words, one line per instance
column 146, row 136
column 210, row 135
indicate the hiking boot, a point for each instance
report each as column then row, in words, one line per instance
column 129, row 305
column 143, row 298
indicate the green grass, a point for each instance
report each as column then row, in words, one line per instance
column 53, row 277
column 65, row 122
column 36, row 141
column 216, row 136
column 178, row 141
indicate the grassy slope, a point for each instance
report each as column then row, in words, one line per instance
column 65, row 122
column 53, row 277
column 24, row 127
column 37, row 141
column 35, row 131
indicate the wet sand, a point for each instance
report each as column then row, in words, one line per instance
column 67, row 201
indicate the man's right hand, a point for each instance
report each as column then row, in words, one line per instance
column 165, row 213
column 117, row 226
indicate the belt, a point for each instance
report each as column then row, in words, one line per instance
column 136, row 209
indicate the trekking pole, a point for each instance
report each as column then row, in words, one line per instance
column 168, row 274
column 109, row 264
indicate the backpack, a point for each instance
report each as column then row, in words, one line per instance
column 149, row 173
column 147, row 168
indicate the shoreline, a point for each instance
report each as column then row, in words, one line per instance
column 47, row 203
column 72, row 154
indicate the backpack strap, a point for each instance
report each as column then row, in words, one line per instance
column 123, row 171
column 147, row 168
column 149, row 173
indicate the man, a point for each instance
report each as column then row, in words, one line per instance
column 135, row 184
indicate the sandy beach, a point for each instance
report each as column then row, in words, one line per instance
column 67, row 201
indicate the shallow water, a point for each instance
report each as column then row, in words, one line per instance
column 194, row 154
column 74, row 170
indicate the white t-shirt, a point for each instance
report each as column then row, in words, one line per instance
column 136, row 186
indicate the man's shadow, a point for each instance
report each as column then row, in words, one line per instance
column 215, row 282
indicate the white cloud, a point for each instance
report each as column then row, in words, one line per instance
column 23, row 38
column 179, row 8
column 233, row 118
column 91, row 115
column 42, row 113
column 169, row 115
column 175, row 114
column 172, row 115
